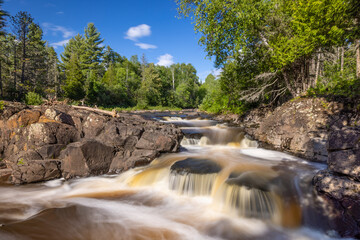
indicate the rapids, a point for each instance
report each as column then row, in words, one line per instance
column 220, row 186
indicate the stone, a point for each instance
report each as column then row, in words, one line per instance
column 139, row 157
column 86, row 158
column 36, row 171
column 157, row 141
column 195, row 166
column 23, row 119
column 346, row 138
column 345, row 162
column 93, row 125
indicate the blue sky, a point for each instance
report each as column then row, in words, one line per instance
column 128, row 26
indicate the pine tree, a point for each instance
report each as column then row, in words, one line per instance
column 3, row 14
column 74, row 84
column 21, row 26
column 37, row 69
column 93, row 49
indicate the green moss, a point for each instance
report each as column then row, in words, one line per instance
column 21, row 162
column 2, row 105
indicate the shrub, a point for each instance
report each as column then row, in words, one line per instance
column 32, row 98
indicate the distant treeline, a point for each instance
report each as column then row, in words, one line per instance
column 87, row 71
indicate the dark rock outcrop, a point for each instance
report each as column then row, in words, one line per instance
column 47, row 142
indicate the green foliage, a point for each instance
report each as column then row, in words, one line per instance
column 21, row 162
column 32, row 98
column 2, row 105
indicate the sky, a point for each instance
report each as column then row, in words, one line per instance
column 130, row 27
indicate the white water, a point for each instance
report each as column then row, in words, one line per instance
column 154, row 202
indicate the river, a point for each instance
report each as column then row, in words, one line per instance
column 219, row 186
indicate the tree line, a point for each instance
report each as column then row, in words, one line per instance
column 86, row 71
column 274, row 50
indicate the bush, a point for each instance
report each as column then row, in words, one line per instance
column 32, row 98
column 2, row 104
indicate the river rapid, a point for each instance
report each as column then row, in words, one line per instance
column 219, row 186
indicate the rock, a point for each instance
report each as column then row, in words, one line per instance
column 346, row 138
column 93, row 125
column 195, row 166
column 86, row 158
column 157, row 141
column 121, row 162
column 52, row 133
column 51, row 113
column 41, row 143
column 5, row 175
column 340, row 197
column 65, row 118
column 346, row 162
column 36, row 171
column 23, row 119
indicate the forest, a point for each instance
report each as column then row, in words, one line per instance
column 86, row 72
column 273, row 51
column 269, row 52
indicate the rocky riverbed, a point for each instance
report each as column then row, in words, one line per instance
column 49, row 142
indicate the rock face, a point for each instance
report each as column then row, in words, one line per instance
column 49, row 142
column 339, row 185
column 300, row 127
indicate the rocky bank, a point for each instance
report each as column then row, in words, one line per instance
column 49, row 142
column 321, row 131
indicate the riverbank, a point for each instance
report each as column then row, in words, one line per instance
column 39, row 143
column 322, row 131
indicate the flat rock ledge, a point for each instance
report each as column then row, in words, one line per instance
column 53, row 141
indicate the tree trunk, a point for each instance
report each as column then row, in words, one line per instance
column 1, row 85
column 358, row 58
column 342, row 60
column 23, row 62
column 15, row 70
column 287, row 83
column 317, row 69
column 173, row 78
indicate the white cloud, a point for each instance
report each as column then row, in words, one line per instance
column 60, row 13
column 59, row 44
column 66, row 33
column 139, row 31
column 165, row 60
column 145, row 46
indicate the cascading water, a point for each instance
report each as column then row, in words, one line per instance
column 220, row 186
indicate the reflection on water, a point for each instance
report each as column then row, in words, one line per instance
column 220, row 186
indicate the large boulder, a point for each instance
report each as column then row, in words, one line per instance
column 86, row 158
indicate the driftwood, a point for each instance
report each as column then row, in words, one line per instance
column 112, row 113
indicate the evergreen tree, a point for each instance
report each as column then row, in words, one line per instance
column 93, row 49
column 21, row 26
column 74, row 84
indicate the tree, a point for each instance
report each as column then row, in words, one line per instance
column 21, row 26
column 281, row 35
column 3, row 15
column 37, row 57
column 74, row 85
column 149, row 94
column 93, row 50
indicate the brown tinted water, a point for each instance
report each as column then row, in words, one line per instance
column 220, row 186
